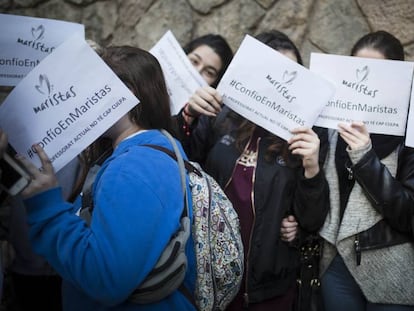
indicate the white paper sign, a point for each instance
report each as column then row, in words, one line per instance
column 181, row 77
column 25, row 41
column 374, row 91
column 271, row 90
column 409, row 138
column 65, row 103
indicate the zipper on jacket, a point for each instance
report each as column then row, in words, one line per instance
column 367, row 193
column 357, row 250
column 246, row 294
column 350, row 173
column 351, row 176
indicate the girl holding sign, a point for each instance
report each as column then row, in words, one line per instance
column 137, row 204
column 210, row 55
column 264, row 179
column 368, row 254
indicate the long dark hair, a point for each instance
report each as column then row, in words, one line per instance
column 219, row 45
column 142, row 73
column 280, row 42
column 381, row 41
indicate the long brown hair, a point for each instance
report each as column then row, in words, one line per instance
column 142, row 74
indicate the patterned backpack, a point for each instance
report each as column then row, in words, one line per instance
column 217, row 239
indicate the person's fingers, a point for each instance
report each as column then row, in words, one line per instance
column 191, row 110
column 290, row 237
column 41, row 179
column 355, row 135
column 360, row 126
column 288, row 231
column 200, row 106
column 217, row 99
column 303, row 134
column 304, row 148
column 361, row 129
column 30, row 167
column 291, row 218
column 357, row 129
column 349, row 138
column 47, row 166
column 211, row 97
column 288, row 226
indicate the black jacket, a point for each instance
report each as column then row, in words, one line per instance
column 278, row 191
column 392, row 197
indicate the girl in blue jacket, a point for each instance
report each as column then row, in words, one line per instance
column 137, row 200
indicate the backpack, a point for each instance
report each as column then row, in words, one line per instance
column 217, row 242
column 216, row 234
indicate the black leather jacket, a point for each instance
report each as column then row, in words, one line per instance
column 392, row 197
column 278, row 190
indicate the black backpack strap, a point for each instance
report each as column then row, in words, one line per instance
column 188, row 166
column 86, row 192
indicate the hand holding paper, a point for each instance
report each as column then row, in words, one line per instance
column 205, row 100
column 305, row 143
column 355, row 134
column 42, row 179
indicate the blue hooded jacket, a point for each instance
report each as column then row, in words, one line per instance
column 137, row 207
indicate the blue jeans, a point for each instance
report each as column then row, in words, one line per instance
column 341, row 292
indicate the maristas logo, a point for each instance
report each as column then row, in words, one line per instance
column 359, row 86
column 288, row 77
column 37, row 35
column 44, row 86
column 53, row 98
column 362, row 74
column 38, row 32
column 282, row 85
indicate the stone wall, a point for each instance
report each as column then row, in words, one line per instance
column 330, row 26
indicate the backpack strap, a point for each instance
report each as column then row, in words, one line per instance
column 160, row 284
column 188, row 166
column 183, row 164
column 86, row 192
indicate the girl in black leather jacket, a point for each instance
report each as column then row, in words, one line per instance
column 368, row 254
column 371, row 177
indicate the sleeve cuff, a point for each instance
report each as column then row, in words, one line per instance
column 314, row 181
column 46, row 205
column 357, row 155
